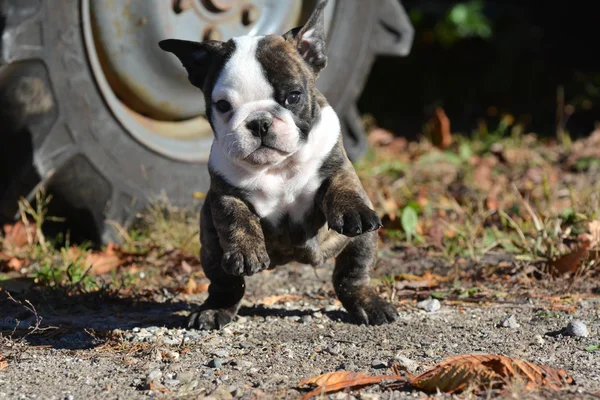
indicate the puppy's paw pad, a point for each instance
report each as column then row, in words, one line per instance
column 373, row 310
column 247, row 262
column 209, row 319
column 356, row 221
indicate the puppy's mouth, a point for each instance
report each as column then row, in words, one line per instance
column 266, row 155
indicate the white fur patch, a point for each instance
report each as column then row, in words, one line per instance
column 288, row 187
column 242, row 79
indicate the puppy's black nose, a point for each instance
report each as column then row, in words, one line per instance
column 259, row 126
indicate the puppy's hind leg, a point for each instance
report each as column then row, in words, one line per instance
column 224, row 295
column 351, row 282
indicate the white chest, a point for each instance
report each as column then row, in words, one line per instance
column 276, row 196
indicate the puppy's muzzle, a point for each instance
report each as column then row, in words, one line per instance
column 259, row 124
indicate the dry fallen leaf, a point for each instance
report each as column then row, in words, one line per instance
column 16, row 264
column 441, row 136
column 270, row 300
column 192, row 287
column 18, row 235
column 380, row 137
column 101, row 262
column 485, row 370
column 332, row 382
column 570, row 262
column 3, row 362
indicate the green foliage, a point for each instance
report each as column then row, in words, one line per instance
column 409, row 221
column 462, row 21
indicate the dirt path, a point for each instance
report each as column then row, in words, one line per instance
column 270, row 348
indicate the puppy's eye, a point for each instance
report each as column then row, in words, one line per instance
column 293, row 98
column 223, row 106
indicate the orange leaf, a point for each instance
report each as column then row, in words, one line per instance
column 101, row 262
column 16, row 264
column 3, row 362
column 485, row 370
column 380, row 137
column 569, row 262
column 192, row 287
column 332, row 382
column 18, row 235
column 270, row 300
column 442, row 137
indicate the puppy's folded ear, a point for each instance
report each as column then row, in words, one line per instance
column 309, row 39
column 196, row 57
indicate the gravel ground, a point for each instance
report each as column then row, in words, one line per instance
column 269, row 349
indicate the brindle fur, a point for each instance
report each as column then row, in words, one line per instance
column 341, row 225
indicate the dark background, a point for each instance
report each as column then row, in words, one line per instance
column 534, row 47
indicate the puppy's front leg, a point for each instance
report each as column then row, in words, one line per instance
column 347, row 210
column 240, row 235
column 346, row 206
column 232, row 246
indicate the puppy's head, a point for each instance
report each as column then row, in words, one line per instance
column 260, row 92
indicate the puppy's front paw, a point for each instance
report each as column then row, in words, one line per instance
column 209, row 319
column 367, row 308
column 246, row 259
column 353, row 220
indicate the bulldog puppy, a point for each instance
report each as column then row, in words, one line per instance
column 282, row 188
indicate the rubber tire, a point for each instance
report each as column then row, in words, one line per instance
column 57, row 132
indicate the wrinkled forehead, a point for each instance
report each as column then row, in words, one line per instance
column 257, row 66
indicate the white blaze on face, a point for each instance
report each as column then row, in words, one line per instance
column 242, row 83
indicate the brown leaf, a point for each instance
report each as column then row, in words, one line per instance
column 192, row 287
column 485, row 370
column 100, row 262
column 380, row 137
column 569, row 262
column 270, row 300
column 18, row 235
column 332, row 382
column 441, row 137
column 186, row 267
column 16, row 264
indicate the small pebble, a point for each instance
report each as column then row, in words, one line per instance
column 171, row 382
column 153, row 375
column 539, row 340
column 171, row 355
column 221, row 353
column 509, row 322
column 215, row 363
column 188, row 387
column 577, row 329
column 406, row 363
column 379, row 364
column 429, row 305
column 334, row 349
column 221, row 393
column 369, row 396
column 306, row 319
column 235, row 391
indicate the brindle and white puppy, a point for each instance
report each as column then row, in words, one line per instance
column 282, row 188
